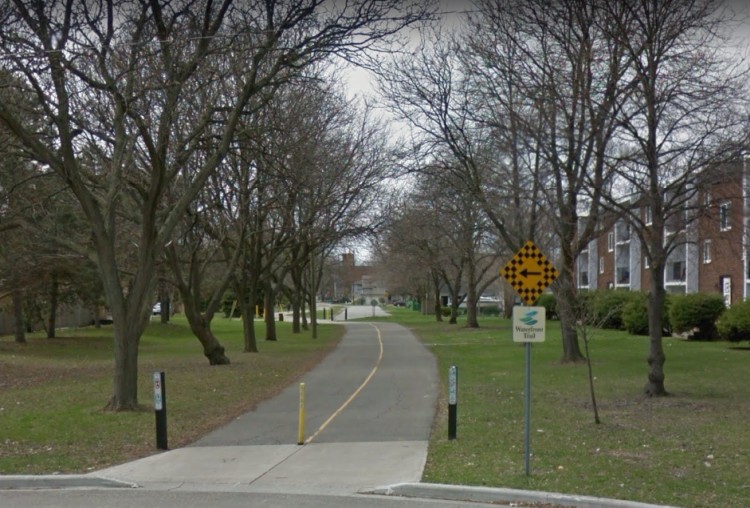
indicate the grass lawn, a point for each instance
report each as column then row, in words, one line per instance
column 689, row 449
column 52, row 391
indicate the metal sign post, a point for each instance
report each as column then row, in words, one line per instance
column 529, row 325
column 527, row 413
column 530, row 273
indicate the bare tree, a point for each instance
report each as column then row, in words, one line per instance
column 137, row 86
column 685, row 116
column 429, row 90
column 552, row 76
column 203, row 259
column 413, row 253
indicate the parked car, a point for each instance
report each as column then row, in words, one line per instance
column 399, row 303
column 156, row 309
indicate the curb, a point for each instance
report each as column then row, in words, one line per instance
column 49, row 482
column 495, row 495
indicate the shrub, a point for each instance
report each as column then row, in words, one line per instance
column 635, row 315
column 605, row 308
column 583, row 302
column 697, row 313
column 734, row 323
column 549, row 302
column 445, row 311
column 489, row 310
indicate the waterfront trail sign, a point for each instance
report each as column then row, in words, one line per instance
column 529, row 324
column 529, row 272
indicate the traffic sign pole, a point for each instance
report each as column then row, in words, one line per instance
column 527, row 411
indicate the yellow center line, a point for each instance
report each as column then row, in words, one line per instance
column 356, row 392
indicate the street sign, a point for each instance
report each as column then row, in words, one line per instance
column 529, row 324
column 529, row 272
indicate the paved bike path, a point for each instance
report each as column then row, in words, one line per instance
column 369, row 409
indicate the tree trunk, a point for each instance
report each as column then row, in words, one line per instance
column 166, row 309
column 471, row 314
column 246, row 289
column 247, row 308
column 18, row 320
column 296, row 314
column 97, row 317
column 565, row 288
column 454, row 313
column 438, row 302
column 316, row 275
column 189, row 287
column 314, row 316
column 52, row 318
column 303, row 311
column 656, row 357
column 471, row 297
column 127, row 327
column 566, row 297
column 212, row 348
column 455, row 302
column 268, row 309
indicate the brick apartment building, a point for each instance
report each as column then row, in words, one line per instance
column 714, row 258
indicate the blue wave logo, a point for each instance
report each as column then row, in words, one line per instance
column 529, row 319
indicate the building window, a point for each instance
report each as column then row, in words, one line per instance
column 584, row 279
column 623, row 275
column 706, row 252
column 646, row 262
column 601, row 264
column 725, row 223
column 648, row 216
column 707, row 198
column 622, row 232
column 678, row 271
column 610, row 241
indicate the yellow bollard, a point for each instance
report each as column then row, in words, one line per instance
column 301, row 435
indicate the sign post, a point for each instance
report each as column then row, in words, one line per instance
column 452, row 401
column 160, row 410
column 530, row 273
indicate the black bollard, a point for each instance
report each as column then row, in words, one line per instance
column 452, row 401
column 160, row 410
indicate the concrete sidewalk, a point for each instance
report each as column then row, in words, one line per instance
column 328, row 468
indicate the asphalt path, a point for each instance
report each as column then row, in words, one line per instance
column 379, row 384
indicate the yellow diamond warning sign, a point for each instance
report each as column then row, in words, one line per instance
column 529, row 272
